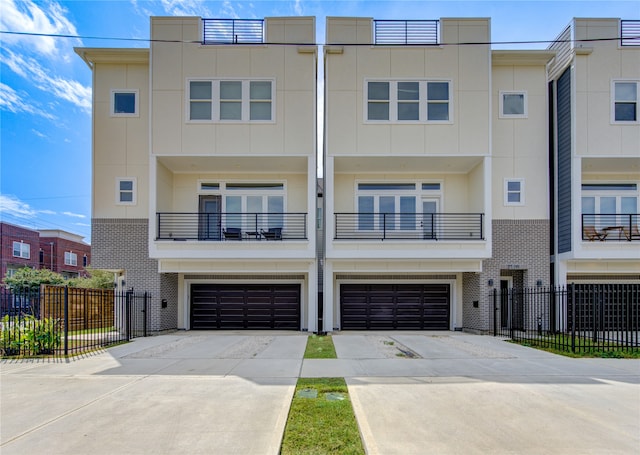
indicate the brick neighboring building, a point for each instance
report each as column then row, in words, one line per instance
column 64, row 253
column 57, row 250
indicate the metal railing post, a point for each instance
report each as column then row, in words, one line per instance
column 572, row 292
column 144, row 324
column 495, row 312
column 66, row 320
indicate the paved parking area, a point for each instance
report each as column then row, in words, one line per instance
column 229, row 393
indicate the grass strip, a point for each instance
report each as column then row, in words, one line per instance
column 321, row 426
column 320, row 347
column 561, row 344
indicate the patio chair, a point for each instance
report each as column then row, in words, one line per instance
column 632, row 234
column 590, row 233
column 272, row 233
column 232, row 234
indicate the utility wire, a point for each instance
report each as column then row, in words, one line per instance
column 149, row 40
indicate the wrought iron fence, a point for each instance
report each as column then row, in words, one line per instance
column 233, row 31
column 576, row 318
column 405, row 32
column 611, row 227
column 409, row 226
column 60, row 321
column 231, row 226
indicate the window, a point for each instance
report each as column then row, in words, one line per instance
column 625, row 101
column 125, row 191
column 254, row 206
column 514, row 192
column 394, row 206
column 609, row 203
column 408, row 101
column 85, row 261
column 124, row 103
column 70, row 258
column 21, row 250
column 237, row 100
column 513, row 104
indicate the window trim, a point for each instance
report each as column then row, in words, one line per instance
column 393, row 101
column 21, row 250
column 525, row 107
column 613, row 102
column 215, row 100
column 521, row 202
column 112, row 103
column 134, row 191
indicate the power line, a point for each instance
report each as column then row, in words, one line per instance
column 483, row 43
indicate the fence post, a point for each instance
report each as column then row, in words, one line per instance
column 127, row 311
column 510, row 295
column 66, row 320
column 572, row 291
column 495, row 312
column 144, row 324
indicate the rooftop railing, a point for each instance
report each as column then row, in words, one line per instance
column 409, row 226
column 630, row 33
column 233, row 31
column 402, row 32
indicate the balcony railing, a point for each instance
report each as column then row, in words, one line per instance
column 231, row 226
column 403, row 33
column 233, row 31
column 610, row 227
column 629, row 33
column 409, row 226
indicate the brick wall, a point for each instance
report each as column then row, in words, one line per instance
column 9, row 234
column 122, row 244
column 520, row 250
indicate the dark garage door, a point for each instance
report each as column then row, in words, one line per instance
column 248, row 306
column 394, row 306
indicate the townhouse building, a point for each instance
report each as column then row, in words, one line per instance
column 204, row 164
column 450, row 169
column 594, row 85
column 64, row 252
column 20, row 248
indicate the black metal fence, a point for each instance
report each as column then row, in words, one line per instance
column 59, row 321
column 577, row 318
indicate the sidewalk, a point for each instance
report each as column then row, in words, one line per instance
column 229, row 393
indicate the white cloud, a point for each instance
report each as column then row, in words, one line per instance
column 38, row 133
column 48, row 17
column 75, row 215
column 66, row 89
column 186, row 8
column 13, row 206
column 82, row 224
column 12, row 101
column 297, row 7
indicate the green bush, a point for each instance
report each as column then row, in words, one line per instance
column 30, row 336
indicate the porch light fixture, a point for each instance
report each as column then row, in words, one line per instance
column 490, row 282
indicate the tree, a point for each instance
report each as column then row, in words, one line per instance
column 98, row 279
column 31, row 279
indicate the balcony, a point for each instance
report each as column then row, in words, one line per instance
column 610, row 227
column 225, row 227
column 409, row 226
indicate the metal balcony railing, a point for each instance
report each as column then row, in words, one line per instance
column 409, row 226
column 231, row 226
column 233, row 31
column 611, row 227
column 401, row 32
column 630, row 33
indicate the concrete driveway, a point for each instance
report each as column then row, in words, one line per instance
column 229, row 393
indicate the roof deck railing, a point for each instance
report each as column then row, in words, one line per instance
column 405, row 32
column 630, row 33
column 233, row 31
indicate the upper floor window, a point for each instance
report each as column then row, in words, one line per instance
column 21, row 250
column 624, row 102
column 408, row 101
column 125, row 191
column 514, row 192
column 124, row 103
column 513, row 104
column 237, row 100
column 70, row 258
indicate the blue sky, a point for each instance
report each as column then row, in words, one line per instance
column 45, row 88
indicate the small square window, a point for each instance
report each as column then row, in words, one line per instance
column 514, row 192
column 625, row 101
column 125, row 191
column 70, row 258
column 513, row 104
column 124, row 103
column 21, row 250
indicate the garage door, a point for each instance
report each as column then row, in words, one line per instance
column 394, row 306
column 249, row 306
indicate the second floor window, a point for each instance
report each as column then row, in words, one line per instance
column 70, row 258
column 125, row 191
column 408, row 101
column 514, row 192
column 124, row 103
column 21, row 250
column 237, row 100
